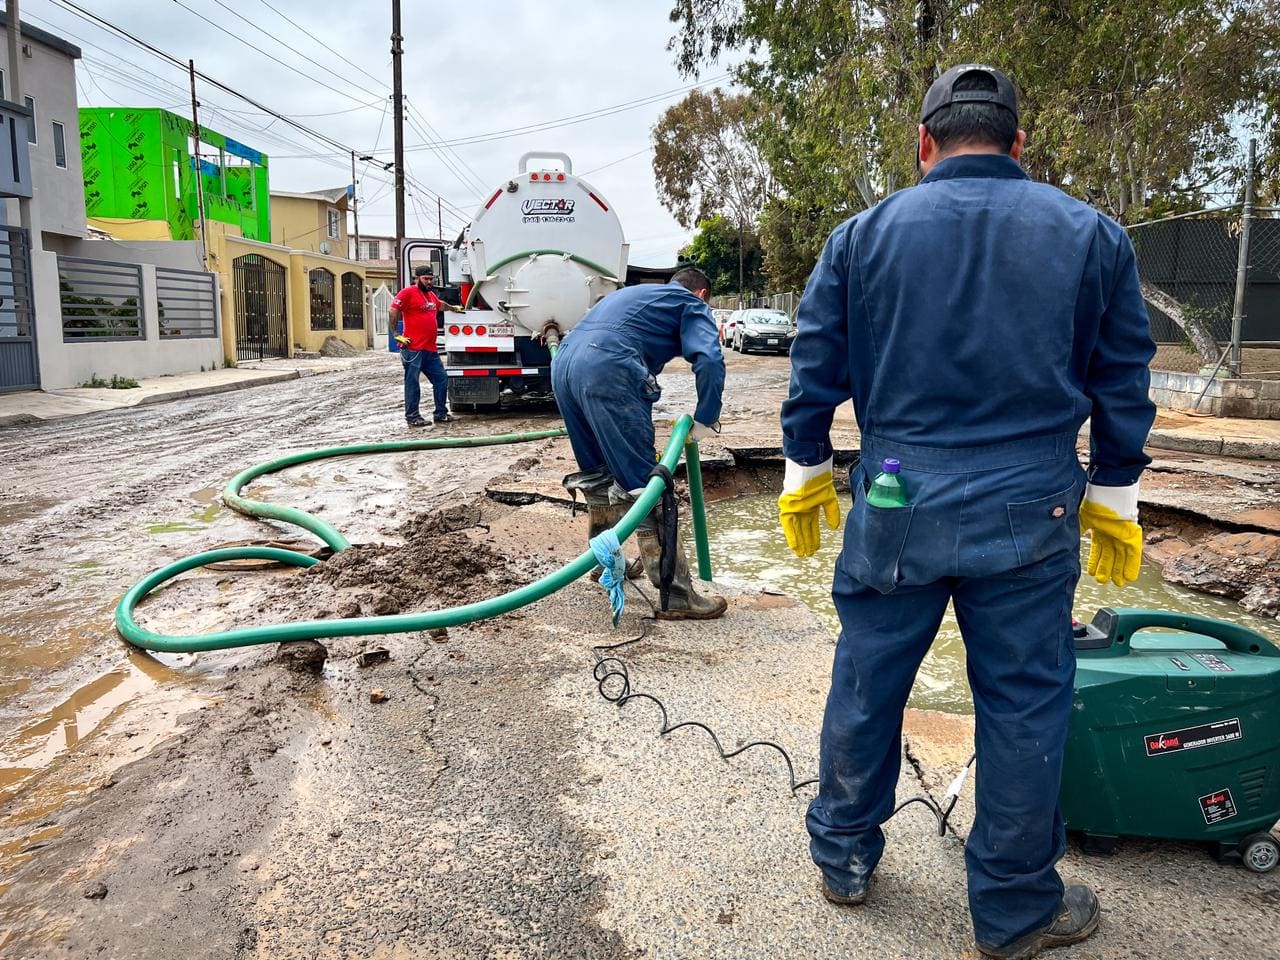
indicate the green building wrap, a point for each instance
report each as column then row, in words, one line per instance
column 138, row 165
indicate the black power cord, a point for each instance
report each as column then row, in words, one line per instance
column 613, row 681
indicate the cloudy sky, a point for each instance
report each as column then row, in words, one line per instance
column 475, row 72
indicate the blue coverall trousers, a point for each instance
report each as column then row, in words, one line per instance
column 417, row 363
column 606, row 400
column 995, row 531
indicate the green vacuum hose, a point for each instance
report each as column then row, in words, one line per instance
column 397, row 623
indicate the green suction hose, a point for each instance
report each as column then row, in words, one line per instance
column 398, row 623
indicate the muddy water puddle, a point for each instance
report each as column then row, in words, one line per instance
column 748, row 550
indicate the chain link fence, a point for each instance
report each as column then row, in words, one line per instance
column 1211, row 279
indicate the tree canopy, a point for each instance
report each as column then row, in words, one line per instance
column 1139, row 107
column 714, row 250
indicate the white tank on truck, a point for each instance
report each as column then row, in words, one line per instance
column 543, row 248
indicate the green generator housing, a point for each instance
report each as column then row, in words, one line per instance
column 1174, row 734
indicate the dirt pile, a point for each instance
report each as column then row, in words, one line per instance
column 442, row 561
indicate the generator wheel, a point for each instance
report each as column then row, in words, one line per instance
column 1261, row 852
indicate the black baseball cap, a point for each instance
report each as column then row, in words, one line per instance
column 942, row 93
column 423, row 271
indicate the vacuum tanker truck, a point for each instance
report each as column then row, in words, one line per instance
column 543, row 248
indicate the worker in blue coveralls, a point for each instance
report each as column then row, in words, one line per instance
column 976, row 320
column 605, row 381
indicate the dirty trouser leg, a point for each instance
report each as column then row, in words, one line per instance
column 623, row 426
column 412, row 360
column 883, row 638
column 1021, row 662
column 434, row 370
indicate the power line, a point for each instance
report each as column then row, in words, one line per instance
column 299, row 26
column 269, row 56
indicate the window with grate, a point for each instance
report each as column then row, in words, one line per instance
column 323, row 315
column 352, row 301
column 333, row 223
column 373, row 250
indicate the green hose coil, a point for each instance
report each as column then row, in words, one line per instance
column 396, row 623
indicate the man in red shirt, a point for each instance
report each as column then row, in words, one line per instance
column 418, row 306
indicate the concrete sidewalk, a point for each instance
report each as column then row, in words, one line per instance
column 1216, row 436
column 35, row 405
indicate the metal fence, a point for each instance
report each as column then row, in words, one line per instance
column 186, row 303
column 19, row 369
column 1211, row 278
column 787, row 302
column 101, row 299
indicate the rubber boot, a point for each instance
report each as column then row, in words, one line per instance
column 683, row 602
column 602, row 516
column 602, row 513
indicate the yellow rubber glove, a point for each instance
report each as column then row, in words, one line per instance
column 806, row 491
column 1110, row 514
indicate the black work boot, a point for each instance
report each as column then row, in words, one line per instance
column 683, row 602
column 1076, row 920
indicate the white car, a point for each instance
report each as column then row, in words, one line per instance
column 770, row 331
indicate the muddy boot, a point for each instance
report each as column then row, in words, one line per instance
column 601, row 513
column 683, row 602
column 1076, row 920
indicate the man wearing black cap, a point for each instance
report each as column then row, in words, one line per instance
column 976, row 320
column 419, row 307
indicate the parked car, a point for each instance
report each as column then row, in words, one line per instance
column 770, row 331
column 721, row 317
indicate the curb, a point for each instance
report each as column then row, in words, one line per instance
column 20, row 419
column 1215, row 446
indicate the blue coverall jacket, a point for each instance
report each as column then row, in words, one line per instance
column 976, row 320
column 605, row 374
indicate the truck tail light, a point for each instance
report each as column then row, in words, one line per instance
column 466, row 331
column 481, row 331
column 453, row 330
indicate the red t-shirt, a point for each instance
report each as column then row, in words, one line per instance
column 419, row 311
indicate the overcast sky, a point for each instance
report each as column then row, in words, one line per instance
column 471, row 69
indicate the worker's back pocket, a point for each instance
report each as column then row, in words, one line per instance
column 1046, row 532
column 873, row 543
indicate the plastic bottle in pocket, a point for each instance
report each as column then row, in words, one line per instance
column 887, row 489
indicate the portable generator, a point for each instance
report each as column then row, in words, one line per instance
column 1174, row 734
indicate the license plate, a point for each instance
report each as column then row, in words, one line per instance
column 501, row 329
column 773, row 343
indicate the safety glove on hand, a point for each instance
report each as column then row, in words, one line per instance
column 806, row 492
column 1110, row 514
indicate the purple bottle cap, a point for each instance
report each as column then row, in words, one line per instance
column 892, row 466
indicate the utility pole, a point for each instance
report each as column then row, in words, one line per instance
column 439, row 220
column 740, row 304
column 355, row 204
column 397, row 98
column 195, row 136
column 15, row 94
column 1242, row 261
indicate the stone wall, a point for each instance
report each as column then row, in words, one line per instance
column 1254, row 399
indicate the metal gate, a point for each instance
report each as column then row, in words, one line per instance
column 19, row 369
column 262, row 322
column 381, row 302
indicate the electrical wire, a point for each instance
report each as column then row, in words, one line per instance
column 613, row 681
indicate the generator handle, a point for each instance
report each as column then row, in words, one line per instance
column 1120, row 626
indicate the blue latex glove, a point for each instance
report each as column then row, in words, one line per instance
column 608, row 553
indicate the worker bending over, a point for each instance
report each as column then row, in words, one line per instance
column 605, row 380
column 976, row 320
